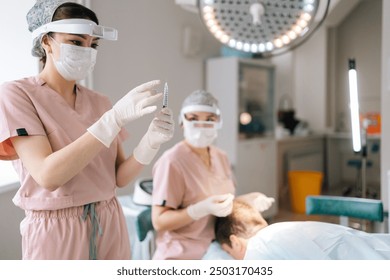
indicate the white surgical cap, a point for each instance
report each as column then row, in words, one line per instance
column 200, row 101
column 41, row 13
column 201, row 97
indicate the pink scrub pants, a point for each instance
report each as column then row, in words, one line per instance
column 93, row 231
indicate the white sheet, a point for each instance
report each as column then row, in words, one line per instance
column 310, row 241
column 318, row 241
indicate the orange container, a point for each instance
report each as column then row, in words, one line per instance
column 301, row 184
column 374, row 126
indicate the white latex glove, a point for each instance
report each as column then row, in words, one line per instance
column 217, row 205
column 160, row 131
column 133, row 105
column 263, row 202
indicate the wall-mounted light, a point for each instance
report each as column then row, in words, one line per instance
column 260, row 26
column 354, row 106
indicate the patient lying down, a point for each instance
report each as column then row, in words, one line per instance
column 244, row 234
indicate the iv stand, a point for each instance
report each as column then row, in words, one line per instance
column 364, row 157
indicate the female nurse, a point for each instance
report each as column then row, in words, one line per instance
column 65, row 140
column 193, row 183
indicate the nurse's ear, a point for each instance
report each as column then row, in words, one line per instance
column 46, row 44
column 180, row 120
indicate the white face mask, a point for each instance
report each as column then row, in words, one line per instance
column 199, row 133
column 75, row 62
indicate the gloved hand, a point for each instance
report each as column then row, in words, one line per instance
column 160, row 131
column 263, row 202
column 217, row 205
column 133, row 105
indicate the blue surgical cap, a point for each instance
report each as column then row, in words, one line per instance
column 41, row 13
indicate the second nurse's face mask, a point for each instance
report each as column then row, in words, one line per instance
column 199, row 134
column 75, row 62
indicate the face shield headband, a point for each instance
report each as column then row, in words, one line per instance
column 77, row 26
column 201, row 108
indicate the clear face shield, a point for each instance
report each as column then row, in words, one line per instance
column 201, row 124
column 77, row 26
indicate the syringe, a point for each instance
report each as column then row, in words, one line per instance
column 165, row 97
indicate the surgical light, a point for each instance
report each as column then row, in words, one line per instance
column 284, row 24
column 354, row 106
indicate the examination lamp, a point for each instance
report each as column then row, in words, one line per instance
column 265, row 27
column 354, row 106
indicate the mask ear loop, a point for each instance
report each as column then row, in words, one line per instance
column 181, row 117
column 54, row 40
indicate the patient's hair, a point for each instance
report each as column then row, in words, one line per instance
column 244, row 221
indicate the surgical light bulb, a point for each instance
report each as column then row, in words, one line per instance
column 285, row 39
column 297, row 29
column 225, row 38
column 278, row 43
column 269, row 46
column 232, row 43
column 302, row 23
column 247, row 47
column 306, row 16
column 254, row 48
column 207, row 9
column 292, row 35
column 308, row 8
column 261, row 47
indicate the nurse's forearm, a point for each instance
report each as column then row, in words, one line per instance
column 169, row 219
column 127, row 171
column 53, row 169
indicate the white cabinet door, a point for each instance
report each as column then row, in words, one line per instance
column 256, row 168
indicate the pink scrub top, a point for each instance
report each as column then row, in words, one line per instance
column 180, row 179
column 30, row 107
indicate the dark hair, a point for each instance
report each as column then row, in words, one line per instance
column 242, row 222
column 74, row 10
column 70, row 10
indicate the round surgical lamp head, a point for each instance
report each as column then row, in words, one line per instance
column 265, row 27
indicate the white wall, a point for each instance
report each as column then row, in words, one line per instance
column 16, row 60
column 149, row 47
column 309, row 72
column 350, row 43
column 284, row 81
